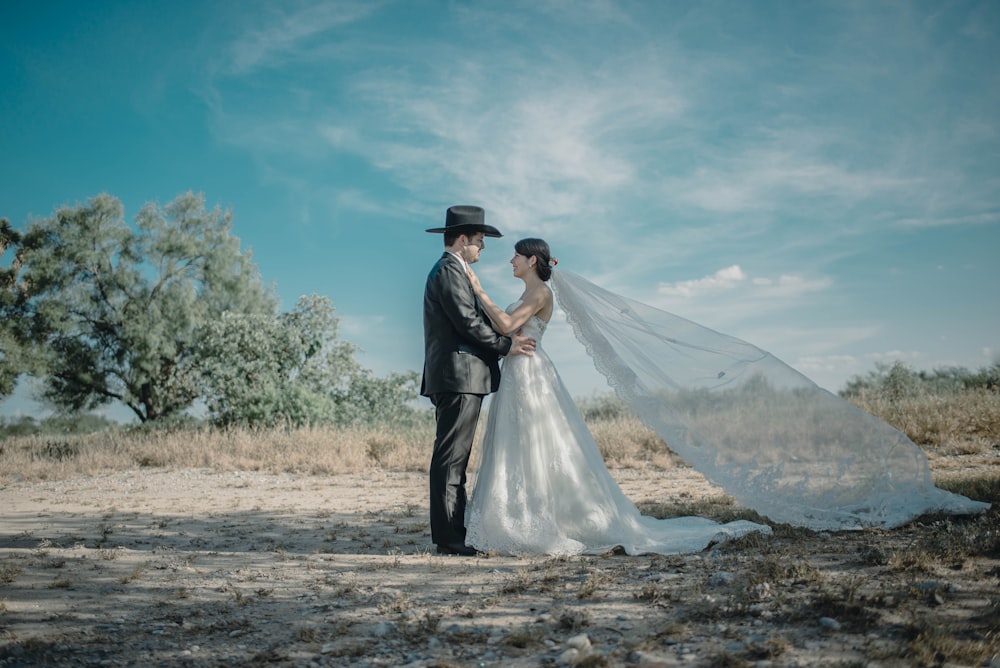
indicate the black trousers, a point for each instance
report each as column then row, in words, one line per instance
column 457, row 415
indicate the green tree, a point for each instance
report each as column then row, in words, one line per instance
column 372, row 400
column 15, row 348
column 294, row 370
column 262, row 370
column 118, row 308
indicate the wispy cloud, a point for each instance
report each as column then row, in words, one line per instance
column 285, row 35
column 990, row 218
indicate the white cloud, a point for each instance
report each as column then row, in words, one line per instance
column 723, row 279
column 731, row 278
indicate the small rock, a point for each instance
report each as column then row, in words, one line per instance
column 829, row 623
column 721, row 579
column 382, row 629
column 579, row 642
column 647, row 660
column 570, row 657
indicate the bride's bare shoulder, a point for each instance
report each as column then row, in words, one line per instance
column 541, row 297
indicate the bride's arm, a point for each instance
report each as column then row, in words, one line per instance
column 504, row 322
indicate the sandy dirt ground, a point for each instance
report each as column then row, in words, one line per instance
column 201, row 568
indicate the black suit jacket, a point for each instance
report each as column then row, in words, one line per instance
column 461, row 350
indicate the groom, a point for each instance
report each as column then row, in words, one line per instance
column 461, row 365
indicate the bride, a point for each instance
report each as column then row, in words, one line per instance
column 543, row 486
column 770, row 437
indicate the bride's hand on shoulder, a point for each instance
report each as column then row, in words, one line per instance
column 474, row 280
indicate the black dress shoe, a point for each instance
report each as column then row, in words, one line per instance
column 460, row 549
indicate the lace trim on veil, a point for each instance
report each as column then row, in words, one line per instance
column 769, row 436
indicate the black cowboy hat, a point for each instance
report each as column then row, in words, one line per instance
column 464, row 219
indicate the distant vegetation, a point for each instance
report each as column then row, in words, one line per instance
column 954, row 411
column 898, row 381
column 958, row 420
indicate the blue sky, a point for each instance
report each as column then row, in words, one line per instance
column 821, row 179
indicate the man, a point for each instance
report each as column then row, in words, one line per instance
column 461, row 365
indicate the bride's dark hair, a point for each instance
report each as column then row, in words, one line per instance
column 540, row 249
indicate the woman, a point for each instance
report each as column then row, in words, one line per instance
column 543, row 487
column 767, row 435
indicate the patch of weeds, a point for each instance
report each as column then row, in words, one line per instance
column 416, row 527
column 991, row 618
column 875, row 555
column 768, row 650
column 464, row 636
column 524, row 636
column 352, row 648
column 592, row 583
column 106, row 530
column 790, row 532
column 56, row 450
column 109, row 554
column 671, row 631
column 755, row 541
column 727, row 660
column 307, row 634
column 954, row 540
column 780, row 568
column 421, row 626
column 911, row 560
column 241, row 599
column 982, row 488
column 520, row 582
column 574, row 619
column 61, row 583
column 853, row 617
column 394, row 602
column 654, row 594
column 933, row 644
column 135, row 574
column 9, row 572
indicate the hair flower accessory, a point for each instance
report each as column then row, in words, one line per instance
column 553, row 262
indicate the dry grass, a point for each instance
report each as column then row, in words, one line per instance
column 624, row 442
column 308, row 450
column 962, row 423
column 948, row 424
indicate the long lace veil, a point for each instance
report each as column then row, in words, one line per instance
column 769, row 436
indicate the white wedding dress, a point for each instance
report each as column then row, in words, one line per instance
column 543, row 487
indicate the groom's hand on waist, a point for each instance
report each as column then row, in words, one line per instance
column 521, row 345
